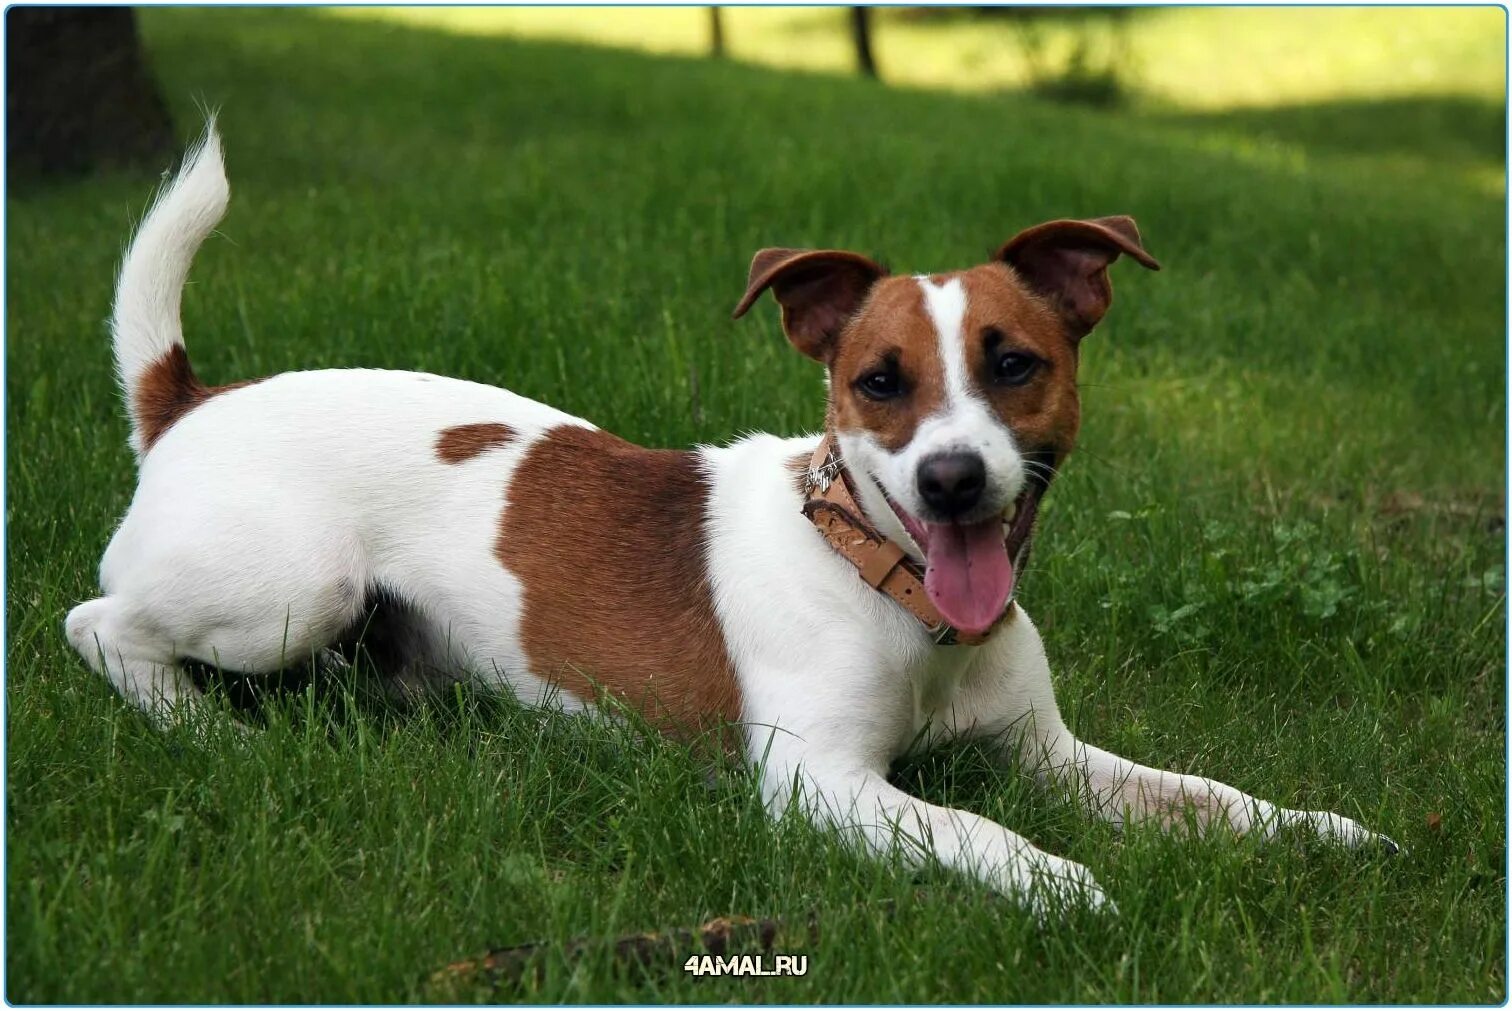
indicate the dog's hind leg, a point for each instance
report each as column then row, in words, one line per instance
column 234, row 591
column 132, row 655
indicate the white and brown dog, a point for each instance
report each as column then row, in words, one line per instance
column 835, row 597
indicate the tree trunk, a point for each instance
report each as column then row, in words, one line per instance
column 716, row 33
column 78, row 94
column 861, row 33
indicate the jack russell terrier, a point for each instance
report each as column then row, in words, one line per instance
column 832, row 598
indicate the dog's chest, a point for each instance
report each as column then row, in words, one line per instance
column 935, row 679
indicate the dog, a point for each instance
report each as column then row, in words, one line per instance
column 834, row 598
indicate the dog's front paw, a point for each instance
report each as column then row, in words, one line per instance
column 1051, row 885
column 1344, row 831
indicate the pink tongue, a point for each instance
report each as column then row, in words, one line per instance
column 968, row 573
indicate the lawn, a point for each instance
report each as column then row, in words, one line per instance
column 1277, row 558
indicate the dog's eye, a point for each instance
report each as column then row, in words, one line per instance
column 1015, row 368
column 883, row 384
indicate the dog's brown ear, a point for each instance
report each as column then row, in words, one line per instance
column 1067, row 262
column 819, row 291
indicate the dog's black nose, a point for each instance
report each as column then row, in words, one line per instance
column 951, row 484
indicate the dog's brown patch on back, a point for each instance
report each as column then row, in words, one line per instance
column 894, row 326
column 167, row 391
column 608, row 540
column 460, row 443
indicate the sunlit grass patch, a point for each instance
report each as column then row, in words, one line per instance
column 1208, row 58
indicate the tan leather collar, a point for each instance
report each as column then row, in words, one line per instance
column 883, row 564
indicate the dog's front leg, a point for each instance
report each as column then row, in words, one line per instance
column 1121, row 791
column 1012, row 703
column 844, row 794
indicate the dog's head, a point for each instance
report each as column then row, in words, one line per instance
column 953, row 396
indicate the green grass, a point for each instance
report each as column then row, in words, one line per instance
column 1276, row 559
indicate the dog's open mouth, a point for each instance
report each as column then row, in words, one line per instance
column 970, row 568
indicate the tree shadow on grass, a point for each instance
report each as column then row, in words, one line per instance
column 1447, row 130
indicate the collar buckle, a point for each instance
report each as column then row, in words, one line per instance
column 818, row 479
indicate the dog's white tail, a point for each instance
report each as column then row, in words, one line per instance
column 148, row 335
